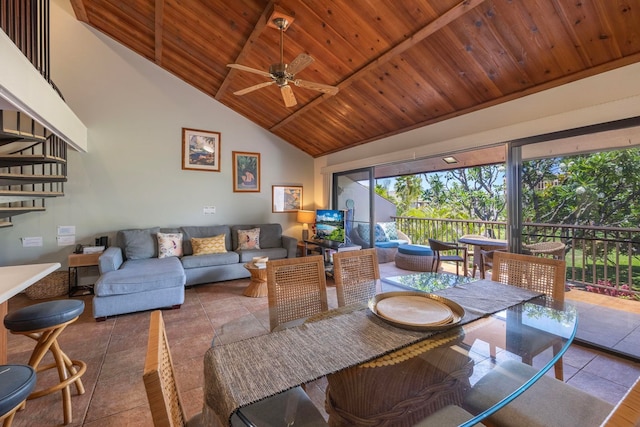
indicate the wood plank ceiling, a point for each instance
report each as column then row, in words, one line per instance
column 399, row 65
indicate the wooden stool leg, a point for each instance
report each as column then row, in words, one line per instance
column 69, row 371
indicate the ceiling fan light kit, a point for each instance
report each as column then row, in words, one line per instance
column 282, row 74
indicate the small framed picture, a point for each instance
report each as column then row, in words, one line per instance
column 200, row 150
column 286, row 198
column 246, row 172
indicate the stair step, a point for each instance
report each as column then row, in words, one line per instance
column 5, row 224
column 23, row 179
column 15, row 125
column 28, row 159
column 25, row 196
column 7, row 212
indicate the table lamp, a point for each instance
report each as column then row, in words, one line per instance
column 305, row 217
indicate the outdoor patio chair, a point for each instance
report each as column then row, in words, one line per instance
column 538, row 274
column 459, row 255
column 297, row 289
column 356, row 274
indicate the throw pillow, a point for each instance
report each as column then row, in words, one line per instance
column 380, row 234
column 208, row 245
column 140, row 243
column 169, row 244
column 363, row 232
column 249, row 239
column 390, row 230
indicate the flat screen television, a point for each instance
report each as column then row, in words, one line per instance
column 330, row 225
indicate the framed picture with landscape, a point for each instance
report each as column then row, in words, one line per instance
column 286, row 198
column 200, row 150
column 246, row 172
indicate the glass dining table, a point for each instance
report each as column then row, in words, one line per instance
column 500, row 323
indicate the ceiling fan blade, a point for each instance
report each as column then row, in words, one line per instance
column 301, row 62
column 249, row 69
column 287, row 96
column 252, row 88
column 331, row 90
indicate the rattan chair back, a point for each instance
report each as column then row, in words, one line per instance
column 356, row 274
column 539, row 274
column 297, row 289
column 159, row 378
column 627, row 411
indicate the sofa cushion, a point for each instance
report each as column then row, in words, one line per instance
column 208, row 245
column 141, row 275
column 201, row 231
column 169, row 244
column 209, row 260
column 270, row 234
column 249, row 239
column 140, row 243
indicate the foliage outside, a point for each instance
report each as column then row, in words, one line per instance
column 598, row 189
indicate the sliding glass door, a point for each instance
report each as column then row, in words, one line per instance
column 353, row 192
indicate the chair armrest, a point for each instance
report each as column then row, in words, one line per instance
column 402, row 236
column 110, row 260
column 291, row 245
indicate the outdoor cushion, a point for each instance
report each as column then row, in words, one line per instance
column 390, row 230
column 415, row 250
column 387, row 244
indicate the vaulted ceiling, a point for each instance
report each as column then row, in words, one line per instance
column 399, row 65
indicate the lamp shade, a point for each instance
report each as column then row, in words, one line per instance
column 306, row 217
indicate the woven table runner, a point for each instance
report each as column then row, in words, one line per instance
column 243, row 372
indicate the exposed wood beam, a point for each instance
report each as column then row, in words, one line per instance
column 79, row 10
column 257, row 31
column 158, row 31
column 440, row 22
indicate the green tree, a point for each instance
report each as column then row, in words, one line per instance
column 408, row 191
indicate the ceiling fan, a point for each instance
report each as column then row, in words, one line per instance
column 282, row 74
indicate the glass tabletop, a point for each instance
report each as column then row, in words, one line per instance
column 426, row 282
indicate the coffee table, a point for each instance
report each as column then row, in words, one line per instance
column 427, row 282
column 258, row 284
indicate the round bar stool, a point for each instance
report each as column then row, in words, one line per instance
column 44, row 322
column 16, row 382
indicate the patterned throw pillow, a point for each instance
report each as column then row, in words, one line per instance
column 249, row 239
column 380, row 234
column 208, row 245
column 390, row 230
column 169, row 244
column 363, row 232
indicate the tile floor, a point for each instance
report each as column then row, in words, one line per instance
column 114, row 351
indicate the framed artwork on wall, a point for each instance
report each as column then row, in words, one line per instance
column 246, row 172
column 286, row 198
column 200, row 150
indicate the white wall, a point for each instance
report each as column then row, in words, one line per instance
column 131, row 175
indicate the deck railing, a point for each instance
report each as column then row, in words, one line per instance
column 596, row 256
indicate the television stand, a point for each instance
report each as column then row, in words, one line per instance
column 329, row 247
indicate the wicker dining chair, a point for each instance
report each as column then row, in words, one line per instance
column 545, row 275
column 160, row 381
column 459, row 255
column 485, row 263
column 287, row 408
column 296, row 288
column 356, row 274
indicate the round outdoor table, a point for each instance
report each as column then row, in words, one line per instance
column 258, row 285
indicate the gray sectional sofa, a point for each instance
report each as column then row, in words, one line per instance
column 133, row 277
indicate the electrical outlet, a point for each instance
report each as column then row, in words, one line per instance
column 209, row 210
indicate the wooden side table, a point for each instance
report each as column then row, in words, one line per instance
column 81, row 260
column 258, row 284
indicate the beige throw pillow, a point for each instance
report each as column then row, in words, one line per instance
column 249, row 239
column 208, row 245
column 169, row 244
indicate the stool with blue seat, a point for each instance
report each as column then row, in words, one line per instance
column 415, row 258
column 16, row 383
column 44, row 322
